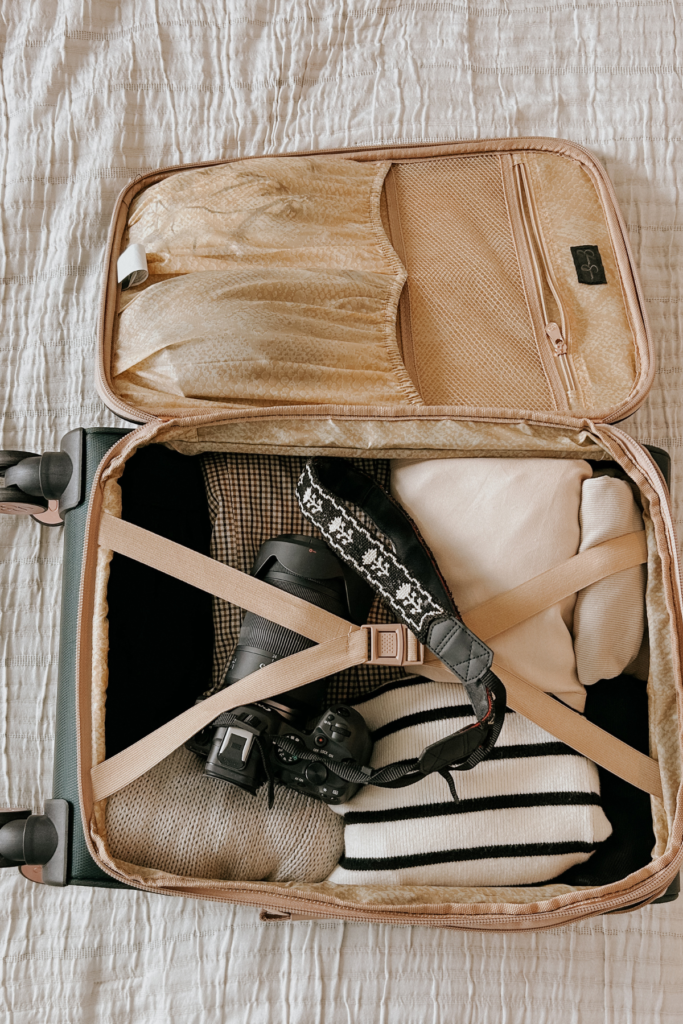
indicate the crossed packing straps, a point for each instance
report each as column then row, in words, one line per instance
column 431, row 638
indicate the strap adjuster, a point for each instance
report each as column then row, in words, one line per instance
column 393, row 644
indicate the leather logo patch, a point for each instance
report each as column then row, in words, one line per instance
column 589, row 268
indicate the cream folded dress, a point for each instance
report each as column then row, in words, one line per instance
column 495, row 523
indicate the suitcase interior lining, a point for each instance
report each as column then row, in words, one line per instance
column 610, row 361
column 152, row 682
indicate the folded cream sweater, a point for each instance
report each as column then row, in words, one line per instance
column 495, row 523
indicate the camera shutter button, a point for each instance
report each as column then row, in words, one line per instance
column 316, row 773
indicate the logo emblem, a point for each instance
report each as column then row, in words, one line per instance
column 588, row 263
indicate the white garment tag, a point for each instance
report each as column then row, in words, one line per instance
column 132, row 264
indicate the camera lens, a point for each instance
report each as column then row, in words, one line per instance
column 306, row 568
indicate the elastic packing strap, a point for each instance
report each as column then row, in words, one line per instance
column 408, row 580
column 340, row 645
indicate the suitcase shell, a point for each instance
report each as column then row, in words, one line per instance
column 360, row 430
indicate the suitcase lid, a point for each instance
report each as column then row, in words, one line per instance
column 522, row 300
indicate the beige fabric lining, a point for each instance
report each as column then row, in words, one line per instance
column 662, row 701
column 601, row 334
column 499, row 148
column 548, row 442
column 309, row 211
column 387, row 895
column 470, row 331
column 666, row 742
column 111, row 503
column 406, row 894
column 437, row 437
column 280, row 286
column 265, row 215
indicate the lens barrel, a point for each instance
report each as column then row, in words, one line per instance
column 306, row 568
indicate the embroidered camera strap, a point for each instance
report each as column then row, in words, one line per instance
column 409, row 582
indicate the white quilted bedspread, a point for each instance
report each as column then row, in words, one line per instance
column 95, row 91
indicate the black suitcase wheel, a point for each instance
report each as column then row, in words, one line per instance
column 8, row 459
column 13, row 501
column 43, row 486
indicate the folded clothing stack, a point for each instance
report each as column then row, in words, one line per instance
column 176, row 819
column 609, row 616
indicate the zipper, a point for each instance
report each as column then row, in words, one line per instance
column 552, row 311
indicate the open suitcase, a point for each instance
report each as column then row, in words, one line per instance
column 520, row 331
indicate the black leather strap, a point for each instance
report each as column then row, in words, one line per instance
column 409, row 581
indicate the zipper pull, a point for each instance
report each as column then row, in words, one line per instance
column 555, row 337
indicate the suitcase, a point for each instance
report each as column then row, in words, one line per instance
column 456, row 394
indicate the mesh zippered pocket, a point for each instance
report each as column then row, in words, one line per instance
column 471, row 339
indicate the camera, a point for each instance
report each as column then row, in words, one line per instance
column 246, row 746
column 239, row 755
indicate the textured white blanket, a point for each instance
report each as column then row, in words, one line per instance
column 92, row 93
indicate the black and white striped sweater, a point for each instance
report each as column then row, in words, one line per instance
column 526, row 814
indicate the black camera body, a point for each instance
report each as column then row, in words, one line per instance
column 242, row 738
column 241, row 746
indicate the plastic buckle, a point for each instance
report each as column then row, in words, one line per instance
column 393, row 644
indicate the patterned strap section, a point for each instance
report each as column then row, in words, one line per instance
column 407, row 578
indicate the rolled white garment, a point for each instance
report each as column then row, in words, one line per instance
column 493, row 524
column 609, row 617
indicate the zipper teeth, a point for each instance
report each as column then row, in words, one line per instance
column 522, row 184
column 558, row 337
column 541, row 249
column 623, row 253
column 648, row 889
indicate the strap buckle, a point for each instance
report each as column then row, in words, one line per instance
column 393, row 644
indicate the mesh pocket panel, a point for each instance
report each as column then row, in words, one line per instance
column 473, row 340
